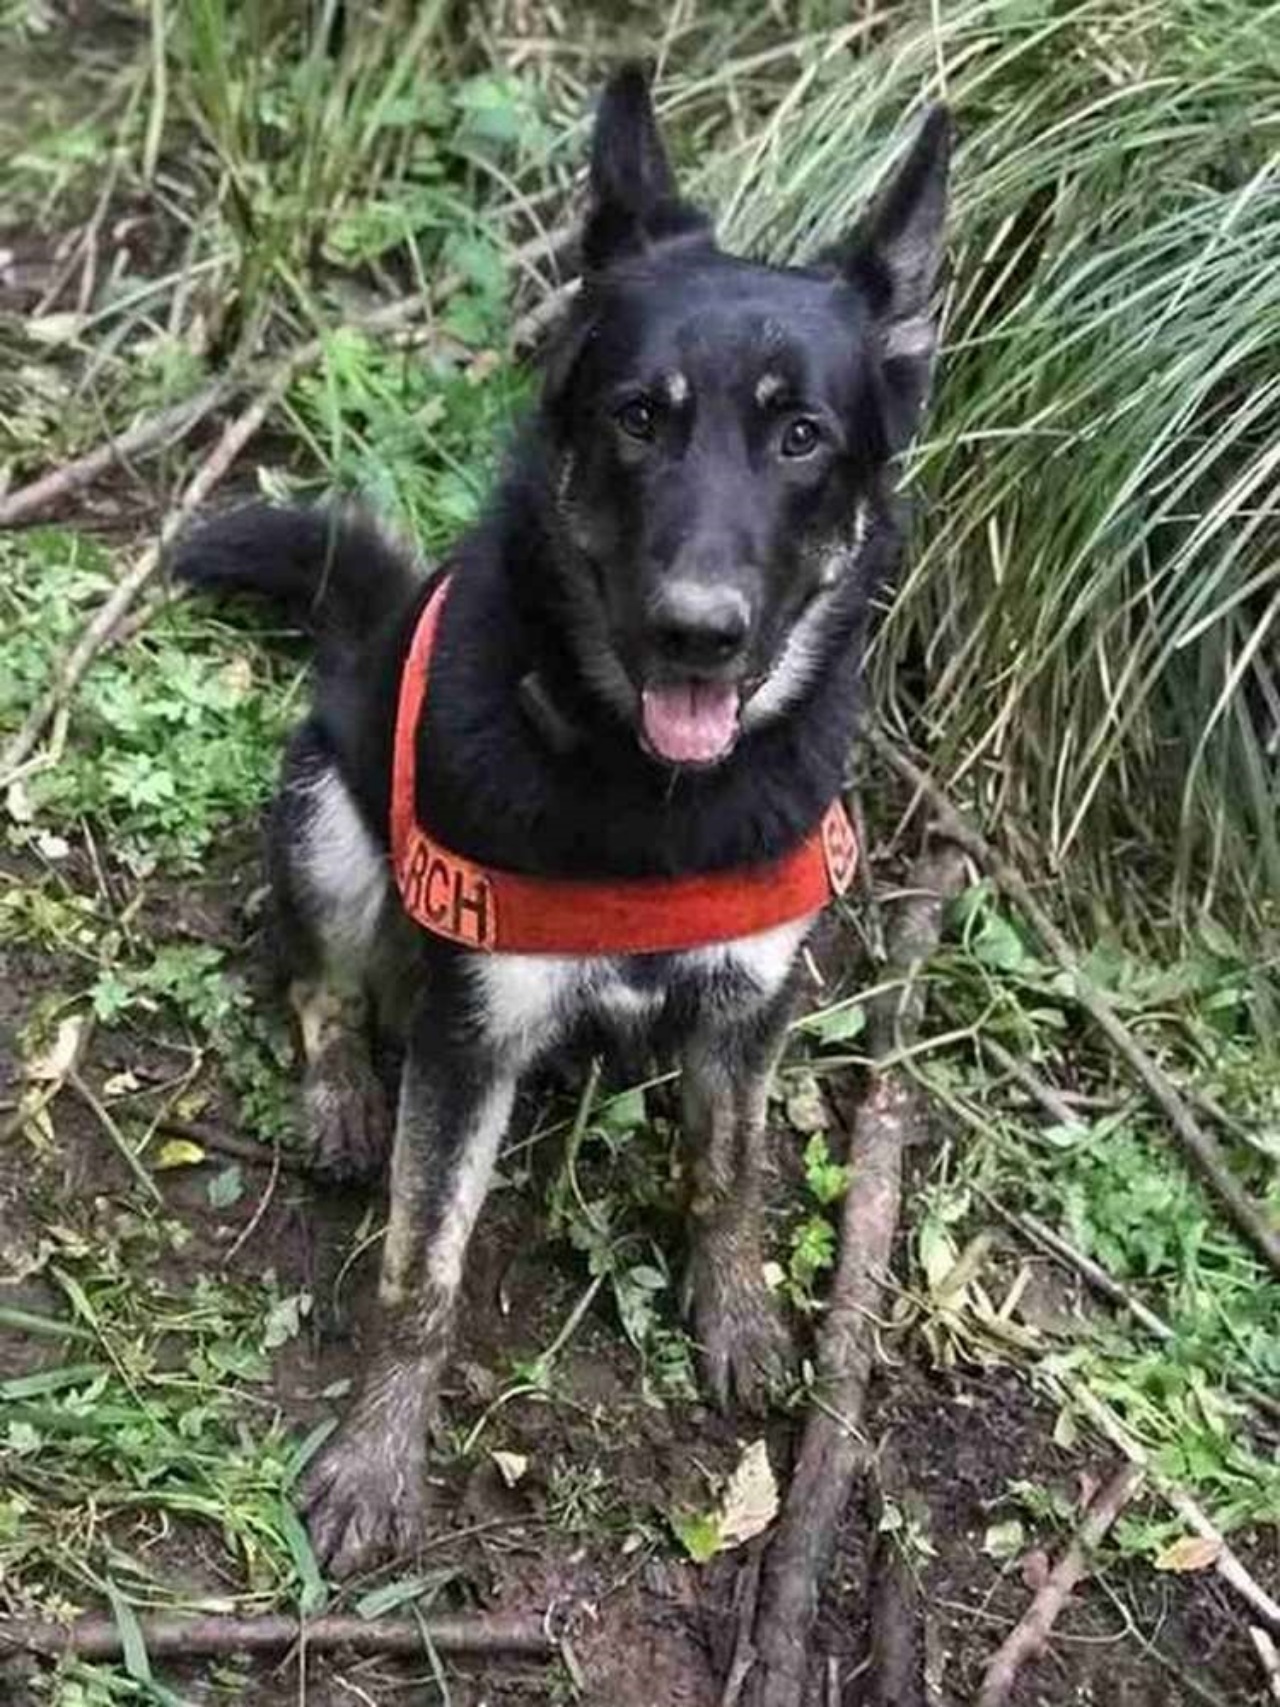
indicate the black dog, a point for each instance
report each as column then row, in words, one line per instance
column 647, row 668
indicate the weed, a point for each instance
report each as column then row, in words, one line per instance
column 415, row 437
column 579, row 1498
column 172, row 736
column 608, row 1227
column 1110, row 1183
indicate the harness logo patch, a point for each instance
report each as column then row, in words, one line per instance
column 448, row 895
column 840, row 847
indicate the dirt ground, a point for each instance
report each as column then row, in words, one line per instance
column 646, row 1627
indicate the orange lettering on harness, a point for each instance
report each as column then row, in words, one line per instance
column 435, row 894
column 447, row 894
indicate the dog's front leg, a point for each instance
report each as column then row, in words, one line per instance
column 727, row 1066
column 366, row 1495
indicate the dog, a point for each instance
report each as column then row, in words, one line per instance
column 640, row 693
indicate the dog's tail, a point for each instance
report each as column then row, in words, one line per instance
column 334, row 571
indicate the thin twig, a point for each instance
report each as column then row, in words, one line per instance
column 1030, row 1634
column 1038, row 1233
column 1048, row 1096
column 1250, row 1218
column 1228, row 1564
column 1268, row 1657
column 117, row 1137
column 98, row 1638
column 831, row 1450
column 166, row 427
column 252, row 1224
column 211, row 1137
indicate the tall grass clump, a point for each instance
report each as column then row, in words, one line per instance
column 1086, row 631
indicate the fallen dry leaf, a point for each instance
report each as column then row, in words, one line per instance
column 51, row 1065
column 511, row 1466
column 179, row 1153
column 750, row 1501
column 1189, row 1553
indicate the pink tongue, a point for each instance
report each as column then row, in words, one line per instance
column 691, row 722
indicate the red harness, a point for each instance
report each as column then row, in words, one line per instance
column 485, row 908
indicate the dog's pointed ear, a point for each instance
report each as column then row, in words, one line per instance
column 895, row 255
column 634, row 203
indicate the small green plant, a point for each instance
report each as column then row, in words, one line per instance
column 191, row 981
column 608, row 1226
column 416, row 437
column 171, row 737
column 812, row 1246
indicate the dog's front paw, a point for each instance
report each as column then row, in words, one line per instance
column 347, row 1118
column 365, row 1499
column 746, row 1348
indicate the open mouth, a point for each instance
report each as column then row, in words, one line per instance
column 690, row 722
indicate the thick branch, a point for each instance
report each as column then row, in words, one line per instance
column 1030, row 1634
column 164, row 1635
column 831, row 1451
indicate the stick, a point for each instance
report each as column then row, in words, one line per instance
column 169, row 425
column 1250, row 1219
column 229, row 1143
column 251, row 1225
column 127, row 1153
column 897, row 1677
column 1268, row 1657
column 97, row 1638
column 830, row 1452
column 528, row 329
column 1228, row 1564
column 1049, row 1097
column 1039, row 1233
column 166, row 427
column 1030, row 1634
column 746, row 1596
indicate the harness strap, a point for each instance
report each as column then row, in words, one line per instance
column 485, row 908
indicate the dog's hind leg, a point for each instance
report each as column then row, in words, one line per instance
column 330, row 885
column 366, row 1496
column 727, row 1064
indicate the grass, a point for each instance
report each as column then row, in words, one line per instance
column 1083, row 641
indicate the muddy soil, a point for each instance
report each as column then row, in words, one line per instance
column 585, row 1531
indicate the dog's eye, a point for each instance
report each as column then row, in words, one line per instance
column 800, row 437
column 636, row 418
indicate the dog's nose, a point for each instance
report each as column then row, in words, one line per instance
column 699, row 625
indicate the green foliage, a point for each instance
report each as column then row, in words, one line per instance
column 348, row 148
column 1113, row 1185
column 171, row 736
column 1090, row 602
column 242, row 1033
column 827, row 1180
column 624, row 1158
column 169, row 1415
column 417, row 438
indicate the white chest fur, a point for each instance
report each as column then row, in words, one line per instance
column 527, row 1001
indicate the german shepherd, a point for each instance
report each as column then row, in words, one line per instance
column 647, row 667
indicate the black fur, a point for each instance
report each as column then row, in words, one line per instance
column 698, row 513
